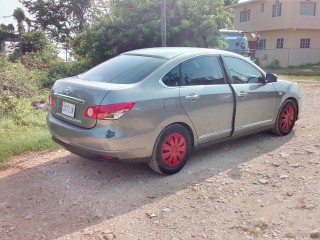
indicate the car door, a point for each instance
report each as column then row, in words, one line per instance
column 207, row 98
column 255, row 99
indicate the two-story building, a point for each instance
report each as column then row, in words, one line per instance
column 289, row 30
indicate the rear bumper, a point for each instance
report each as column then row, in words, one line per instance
column 92, row 155
column 93, row 143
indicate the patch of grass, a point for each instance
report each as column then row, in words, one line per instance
column 299, row 78
column 17, row 140
column 22, row 129
column 303, row 70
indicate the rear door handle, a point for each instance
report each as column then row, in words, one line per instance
column 192, row 97
column 242, row 94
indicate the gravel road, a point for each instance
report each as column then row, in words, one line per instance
column 257, row 187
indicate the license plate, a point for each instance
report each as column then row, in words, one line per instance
column 68, row 109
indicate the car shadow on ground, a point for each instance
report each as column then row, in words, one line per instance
column 70, row 193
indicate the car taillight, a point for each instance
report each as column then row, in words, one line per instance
column 51, row 101
column 110, row 111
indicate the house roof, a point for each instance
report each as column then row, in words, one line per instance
column 243, row 3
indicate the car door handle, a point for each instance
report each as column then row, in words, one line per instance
column 242, row 94
column 192, row 97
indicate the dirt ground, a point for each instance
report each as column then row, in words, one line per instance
column 257, row 187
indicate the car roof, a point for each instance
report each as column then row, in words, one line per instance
column 172, row 52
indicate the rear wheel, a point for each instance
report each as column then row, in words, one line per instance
column 171, row 150
column 286, row 119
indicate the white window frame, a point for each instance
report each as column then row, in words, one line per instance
column 305, row 42
column 245, row 15
column 280, row 43
column 276, row 9
column 308, row 8
column 262, row 44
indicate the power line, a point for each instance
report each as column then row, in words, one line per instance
column 6, row 16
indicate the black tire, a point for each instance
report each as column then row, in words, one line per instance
column 286, row 118
column 171, row 150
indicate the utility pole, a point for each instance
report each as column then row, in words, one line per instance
column 164, row 23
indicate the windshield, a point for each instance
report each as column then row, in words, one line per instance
column 123, row 69
column 237, row 42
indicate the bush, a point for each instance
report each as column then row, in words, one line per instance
column 20, row 110
column 8, row 104
column 50, row 67
column 59, row 69
column 17, row 79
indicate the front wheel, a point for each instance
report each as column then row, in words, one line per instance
column 286, row 118
column 171, row 150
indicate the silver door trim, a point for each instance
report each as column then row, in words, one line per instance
column 69, row 98
column 254, row 124
column 215, row 133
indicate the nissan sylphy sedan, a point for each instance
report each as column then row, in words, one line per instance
column 157, row 105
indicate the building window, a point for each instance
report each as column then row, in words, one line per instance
column 305, row 43
column 280, row 43
column 308, row 8
column 262, row 7
column 245, row 15
column 276, row 9
column 262, row 44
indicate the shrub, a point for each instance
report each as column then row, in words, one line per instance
column 17, row 79
column 59, row 69
column 8, row 104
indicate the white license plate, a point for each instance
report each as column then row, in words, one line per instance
column 68, row 109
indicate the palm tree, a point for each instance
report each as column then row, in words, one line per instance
column 20, row 17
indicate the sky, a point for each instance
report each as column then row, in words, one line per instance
column 6, row 9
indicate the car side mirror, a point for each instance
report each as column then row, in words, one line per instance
column 271, row 77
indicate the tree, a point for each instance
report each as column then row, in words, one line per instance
column 192, row 23
column 33, row 41
column 59, row 17
column 20, row 17
column 7, row 28
column 133, row 24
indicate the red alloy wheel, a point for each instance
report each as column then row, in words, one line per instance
column 173, row 150
column 287, row 118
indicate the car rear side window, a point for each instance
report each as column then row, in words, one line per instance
column 172, row 78
column 202, row 71
column 241, row 72
column 124, row 69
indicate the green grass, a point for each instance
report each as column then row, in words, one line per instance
column 299, row 78
column 22, row 132
column 16, row 141
column 303, row 70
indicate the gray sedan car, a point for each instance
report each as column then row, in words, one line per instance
column 157, row 105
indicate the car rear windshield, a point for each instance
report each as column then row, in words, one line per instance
column 124, row 69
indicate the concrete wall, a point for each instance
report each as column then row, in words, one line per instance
column 291, row 38
column 288, row 57
column 291, row 54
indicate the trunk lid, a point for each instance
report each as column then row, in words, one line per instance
column 72, row 96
